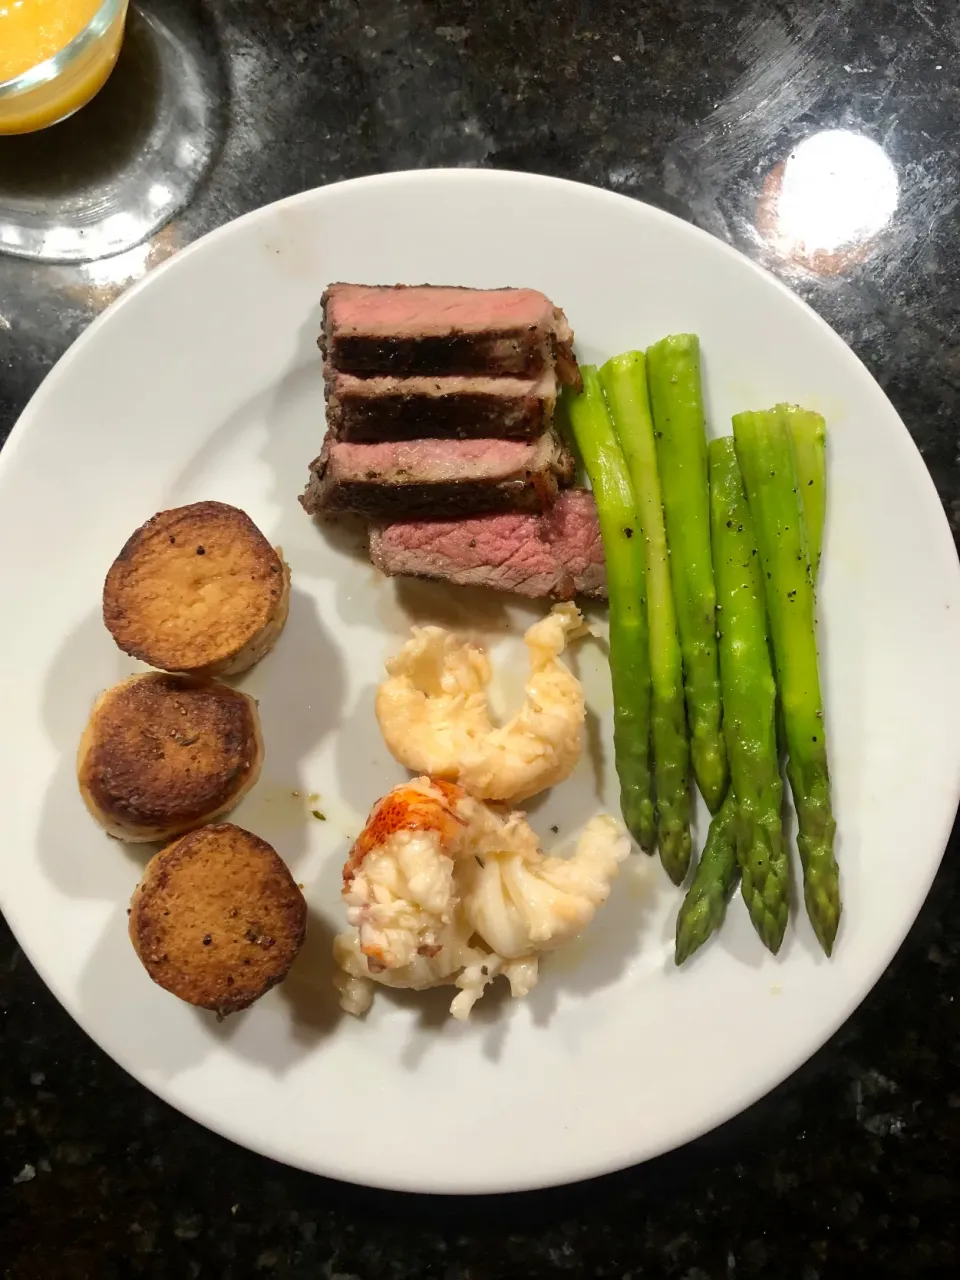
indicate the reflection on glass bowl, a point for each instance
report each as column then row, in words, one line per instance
column 827, row 204
column 66, row 79
column 105, row 179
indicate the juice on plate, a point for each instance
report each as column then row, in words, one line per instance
column 35, row 93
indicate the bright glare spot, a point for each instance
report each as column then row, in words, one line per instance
column 159, row 195
column 61, row 242
column 187, row 152
column 121, row 227
column 120, row 270
column 838, row 188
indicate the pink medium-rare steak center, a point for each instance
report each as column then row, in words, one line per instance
column 439, row 461
column 558, row 554
column 384, row 310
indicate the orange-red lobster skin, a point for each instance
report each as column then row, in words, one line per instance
column 405, row 808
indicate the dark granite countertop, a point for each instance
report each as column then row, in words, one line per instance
column 853, row 1166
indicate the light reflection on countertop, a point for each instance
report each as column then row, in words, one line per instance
column 99, row 283
column 826, row 206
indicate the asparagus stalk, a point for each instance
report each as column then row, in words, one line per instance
column 765, row 452
column 629, row 642
column 809, row 434
column 749, row 699
column 673, row 369
column 703, row 909
column 624, row 381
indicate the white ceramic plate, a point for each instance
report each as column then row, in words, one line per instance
column 205, row 382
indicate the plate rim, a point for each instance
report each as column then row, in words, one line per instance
column 683, row 1133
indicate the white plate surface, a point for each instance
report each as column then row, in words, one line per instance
column 205, row 382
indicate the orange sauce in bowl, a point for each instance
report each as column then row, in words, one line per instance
column 33, row 31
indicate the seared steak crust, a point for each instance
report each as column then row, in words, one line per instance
column 368, row 410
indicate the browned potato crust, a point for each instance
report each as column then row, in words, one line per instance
column 197, row 589
column 163, row 753
column 217, row 918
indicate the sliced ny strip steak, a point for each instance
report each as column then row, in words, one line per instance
column 368, row 410
column 558, row 554
column 415, row 330
column 437, row 477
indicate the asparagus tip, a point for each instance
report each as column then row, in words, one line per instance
column 688, row 941
column 677, row 871
column 827, row 937
column 769, row 923
column 714, row 800
column 825, row 918
column 694, row 927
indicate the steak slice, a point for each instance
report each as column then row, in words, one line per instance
column 367, row 410
column 412, row 330
column 436, row 477
column 558, row 554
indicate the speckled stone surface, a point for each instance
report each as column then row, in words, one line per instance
column 853, row 1166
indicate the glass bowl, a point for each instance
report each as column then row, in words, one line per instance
column 56, row 88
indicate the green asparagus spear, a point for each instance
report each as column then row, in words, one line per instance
column 624, row 381
column 765, row 452
column 673, row 369
column 809, row 433
column 749, row 699
column 629, row 642
column 714, row 881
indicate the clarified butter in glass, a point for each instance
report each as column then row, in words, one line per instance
column 55, row 55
